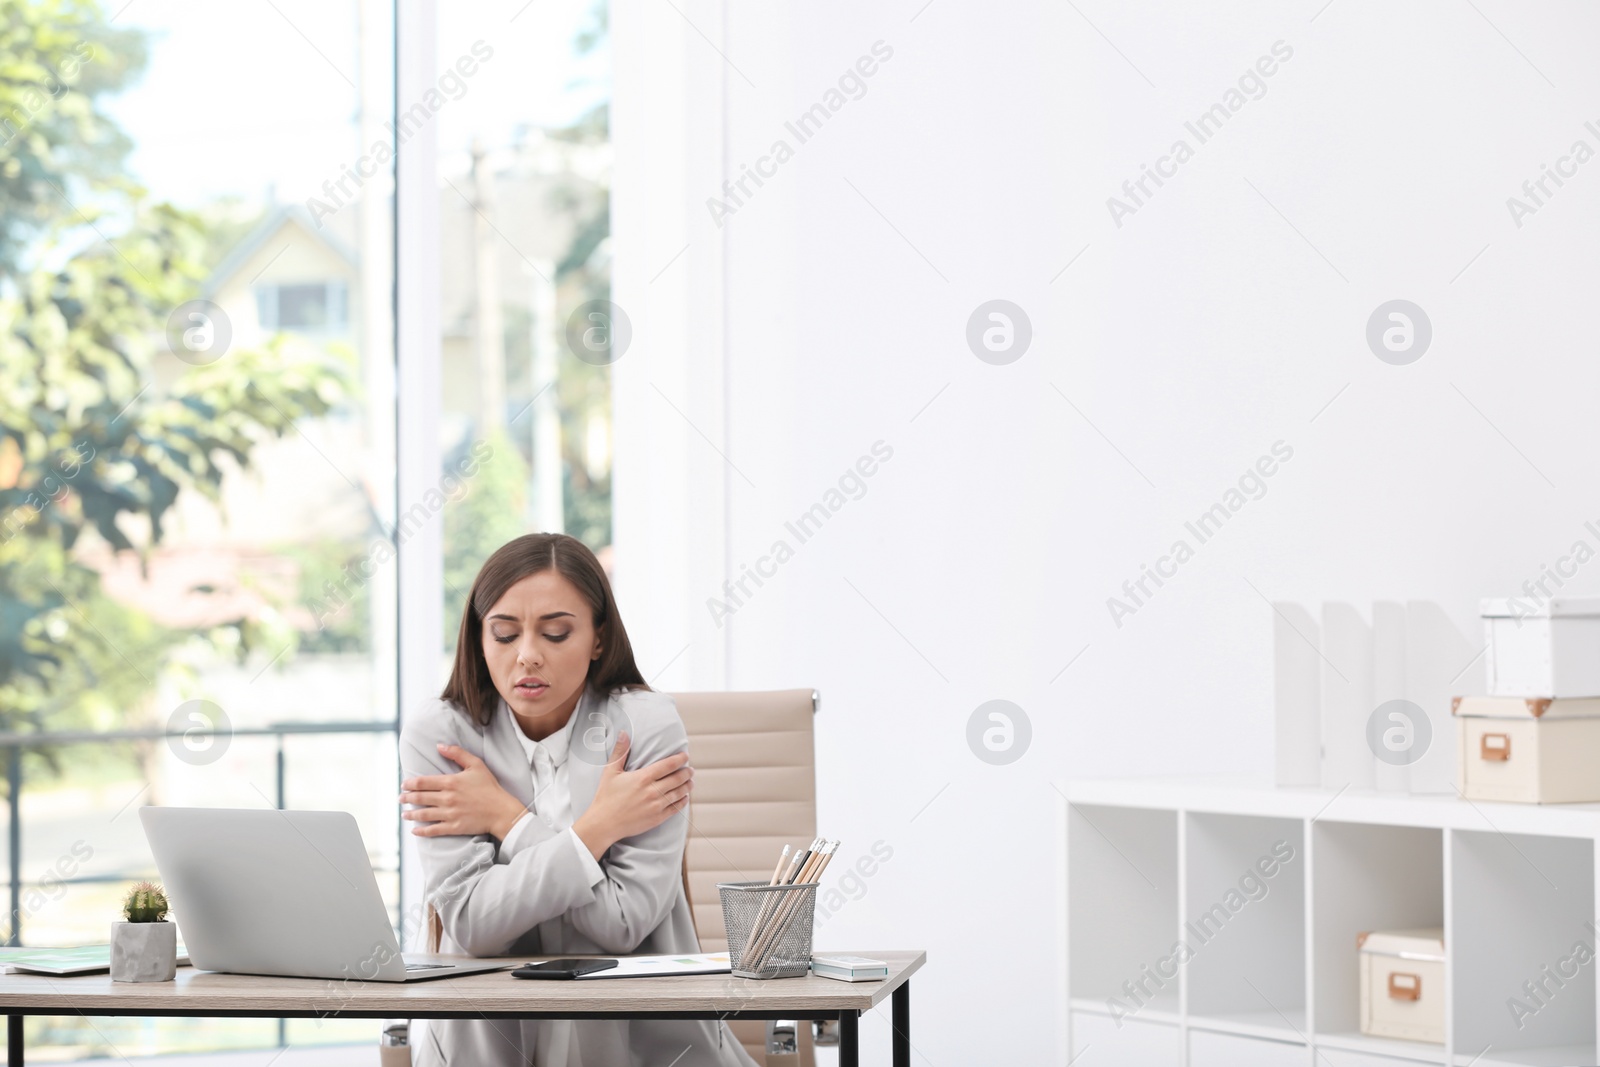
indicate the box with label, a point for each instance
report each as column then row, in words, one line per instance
column 1547, row 650
column 1529, row 750
column 1402, row 984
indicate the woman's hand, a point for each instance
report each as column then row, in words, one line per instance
column 630, row 802
column 471, row 801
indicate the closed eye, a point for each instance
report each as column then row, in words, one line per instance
column 558, row 638
column 506, row 640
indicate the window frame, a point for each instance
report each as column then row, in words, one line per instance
column 418, row 385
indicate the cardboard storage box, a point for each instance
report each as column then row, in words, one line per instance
column 1402, row 984
column 1544, row 650
column 1528, row 750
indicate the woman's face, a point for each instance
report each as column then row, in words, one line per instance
column 538, row 640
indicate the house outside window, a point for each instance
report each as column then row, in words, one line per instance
column 303, row 307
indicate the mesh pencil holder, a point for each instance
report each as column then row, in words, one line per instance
column 769, row 927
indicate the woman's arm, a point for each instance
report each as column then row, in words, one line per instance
column 468, row 801
column 642, row 872
column 486, row 906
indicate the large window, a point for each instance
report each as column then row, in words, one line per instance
column 198, row 452
column 524, row 173
column 198, row 515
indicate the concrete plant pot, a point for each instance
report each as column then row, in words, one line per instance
column 144, row 952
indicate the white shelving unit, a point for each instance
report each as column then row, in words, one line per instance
column 1266, row 889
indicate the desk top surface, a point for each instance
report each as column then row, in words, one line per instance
column 203, row 993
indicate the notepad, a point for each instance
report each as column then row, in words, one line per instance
column 653, row 966
column 84, row 959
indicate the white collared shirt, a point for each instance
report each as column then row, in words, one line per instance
column 552, row 796
column 556, row 1045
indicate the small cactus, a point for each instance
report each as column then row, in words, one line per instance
column 146, row 902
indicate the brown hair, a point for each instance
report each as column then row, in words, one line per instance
column 471, row 688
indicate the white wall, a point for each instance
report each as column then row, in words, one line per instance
column 1220, row 318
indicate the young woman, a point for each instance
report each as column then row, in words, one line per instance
column 548, row 784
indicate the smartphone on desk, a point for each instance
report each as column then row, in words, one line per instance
column 562, row 968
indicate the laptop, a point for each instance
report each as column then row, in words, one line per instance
column 262, row 891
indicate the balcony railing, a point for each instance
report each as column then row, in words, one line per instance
column 13, row 745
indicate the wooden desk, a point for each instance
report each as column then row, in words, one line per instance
column 495, row 995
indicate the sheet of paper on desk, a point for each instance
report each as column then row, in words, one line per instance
column 83, row 959
column 648, row 966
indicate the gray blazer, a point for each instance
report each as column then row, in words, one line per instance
column 491, row 907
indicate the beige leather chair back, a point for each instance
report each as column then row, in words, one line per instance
column 755, row 790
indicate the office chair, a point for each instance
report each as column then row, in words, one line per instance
column 755, row 790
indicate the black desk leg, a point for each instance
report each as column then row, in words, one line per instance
column 900, row 1008
column 14, row 1040
column 849, row 1039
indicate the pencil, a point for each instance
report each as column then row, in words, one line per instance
column 777, row 873
column 778, row 869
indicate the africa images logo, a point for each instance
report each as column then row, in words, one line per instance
column 1398, row 732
